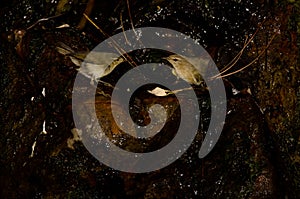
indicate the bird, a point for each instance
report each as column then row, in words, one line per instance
column 96, row 65
column 93, row 64
column 185, row 68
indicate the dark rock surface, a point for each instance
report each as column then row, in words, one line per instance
column 257, row 155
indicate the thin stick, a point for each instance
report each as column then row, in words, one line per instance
column 43, row 19
column 87, row 11
column 91, row 21
column 131, row 21
column 123, row 30
column 116, row 46
column 252, row 62
column 130, row 17
column 238, row 56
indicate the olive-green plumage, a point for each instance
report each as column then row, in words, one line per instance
column 188, row 68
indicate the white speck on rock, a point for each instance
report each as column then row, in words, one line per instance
column 44, row 128
column 76, row 137
column 44, row 92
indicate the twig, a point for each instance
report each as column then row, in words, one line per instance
column 43, row 19
column 252, row 62
column 123, row 30
column 116, row 46
column 87, row 11
column 131, row 21
column 130, row 17
column 238, row 56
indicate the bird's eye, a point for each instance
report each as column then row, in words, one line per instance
column 175, row 59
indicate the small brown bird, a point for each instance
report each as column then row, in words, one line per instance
column 185, row 68
column 92, row 64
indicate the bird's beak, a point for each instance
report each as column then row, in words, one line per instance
column 165, row 58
